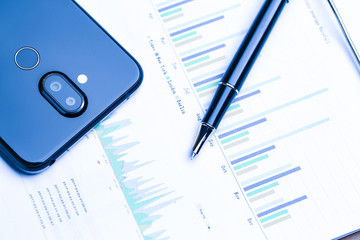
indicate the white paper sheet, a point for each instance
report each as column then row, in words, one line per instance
column 282, row 165
column 349, row 13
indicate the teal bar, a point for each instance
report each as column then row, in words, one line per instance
column 207, row 86
column 171, row 12
column 275, row 215
column 233, row 107
column 255, row 160
column 232, row 138
column 184, row 36
column 262, row 189
column 188, row 64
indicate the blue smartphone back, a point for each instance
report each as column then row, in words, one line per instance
column 42, row 38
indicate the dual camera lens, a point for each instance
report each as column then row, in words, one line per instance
column 62, row 94
column 56, row 86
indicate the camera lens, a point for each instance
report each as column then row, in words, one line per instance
column 62, row 94
column 70, row 101
column 55, row 86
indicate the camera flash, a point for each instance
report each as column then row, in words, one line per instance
column 82, row 78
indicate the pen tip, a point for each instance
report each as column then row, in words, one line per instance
column 193, row 156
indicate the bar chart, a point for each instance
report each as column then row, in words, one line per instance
column 281, row 164
column 204, row 56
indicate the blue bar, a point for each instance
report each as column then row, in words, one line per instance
column 270, row 204
column 246, row 96
column 220, row 40
column 277, row 108
column 242, row 128
column 174, row 5
column 284, row 205
column 258, row 85
column 216, row 13
column 266, row 174
column 208, row 80
column 203, row 52
column 196, row 26
column 280, row 175
column 277, row 139
column 253, row 155
column 205, row 75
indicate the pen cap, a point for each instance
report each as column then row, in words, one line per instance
column 253, row 42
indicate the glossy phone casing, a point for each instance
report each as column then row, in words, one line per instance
column 33, row 134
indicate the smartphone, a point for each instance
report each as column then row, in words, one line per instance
column 60, row 74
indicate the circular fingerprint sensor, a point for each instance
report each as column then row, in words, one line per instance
column 27, row 58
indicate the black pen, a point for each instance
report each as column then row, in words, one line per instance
column 239, row 68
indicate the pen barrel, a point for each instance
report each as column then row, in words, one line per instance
column 239, row 68
column 219, row 105
column 243, row 60
column 253, row 42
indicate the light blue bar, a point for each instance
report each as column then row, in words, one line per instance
column 188, row 64
column 252, row 161
column 208, row 74
column 241, row 128
column 221, row 40
column 284, row 205
column 203, row 17
column 207, row 80
column 235, row 137
column 272, row 141
column 256, row 86
column 235, row 106
column 262, row 189
column 211, row 85
column 209, row 50
column 198, row 25
column 277, row 108
column 272, row 178
column 275, row 215
column 269, row 205
column 171, row 12
column 267, row 174
column 190, row 34
column 165, row 3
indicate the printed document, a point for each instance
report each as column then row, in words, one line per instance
column 284, row 163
